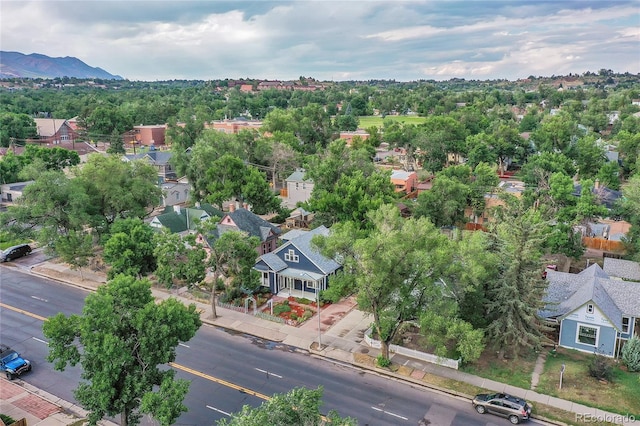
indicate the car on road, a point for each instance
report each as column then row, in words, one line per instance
column 514, row 409
column 15, row 252
column 12, row 363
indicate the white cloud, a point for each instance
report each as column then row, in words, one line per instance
column 151, row 40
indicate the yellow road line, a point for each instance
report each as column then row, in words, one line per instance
column 22, row 311
column 222, row 382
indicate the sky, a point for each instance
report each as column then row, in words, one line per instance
column 147, row 40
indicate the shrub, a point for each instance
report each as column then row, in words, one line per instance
column 293, row 316
column 281, row 308
column 631, row 354
column 7, row 419
column 307, row 314
column 600, row 367
column 383, row 362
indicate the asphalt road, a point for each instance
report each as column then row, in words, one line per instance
column 228, row 370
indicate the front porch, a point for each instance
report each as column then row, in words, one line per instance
column 288, row 292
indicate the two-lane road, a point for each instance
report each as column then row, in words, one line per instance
column 228, row 370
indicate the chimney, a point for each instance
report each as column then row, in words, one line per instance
column 197, row 204
column 245, row 206
column 232, row 207
column 597, row 184
column 176, row 209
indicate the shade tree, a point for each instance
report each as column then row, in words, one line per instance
column 122, row 340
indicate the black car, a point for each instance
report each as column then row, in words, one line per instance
column 15, row 252
column 515, row 409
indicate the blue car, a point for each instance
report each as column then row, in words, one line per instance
column 12, row 363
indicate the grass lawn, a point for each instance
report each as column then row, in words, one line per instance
column 515, row 372
column 620, row 396
column 371, row 120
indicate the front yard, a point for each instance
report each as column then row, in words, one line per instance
column 622, row 395
column 515, row 372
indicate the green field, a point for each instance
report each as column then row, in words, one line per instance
column 370, row 120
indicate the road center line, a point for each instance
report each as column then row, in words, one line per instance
column 23, row 312
column 269, row 374
column 39, row 298
column 40, row 340
column 183, row 345
column 219, row 411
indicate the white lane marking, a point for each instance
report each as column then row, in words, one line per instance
column 270, row 374
column 390, row 413
column 219, row 411
column 40, row 340
column 182, row 344
column 39, row 298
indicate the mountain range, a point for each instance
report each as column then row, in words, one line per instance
column 35, row 65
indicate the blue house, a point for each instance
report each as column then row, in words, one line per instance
column 296, row 268
column 596, row 311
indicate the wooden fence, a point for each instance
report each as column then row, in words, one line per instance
column 603, row 244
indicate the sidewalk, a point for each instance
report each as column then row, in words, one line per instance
column 342, row 328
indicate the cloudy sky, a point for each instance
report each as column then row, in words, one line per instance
column 330, row 40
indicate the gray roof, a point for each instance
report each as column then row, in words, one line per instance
column 303, row 243
column 273, row 262
column 156, row 157
column 567, row 292
column 248, row 222
column 298, row 176
column 622, row 268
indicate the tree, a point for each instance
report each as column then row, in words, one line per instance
column 445, row 202
column 178, row 258
column 232, row 254
column 395, row 268
column 75, row 248
column 116, row 144
column 631, row 354
column 298, row 407
column 516, row 296
column 16, row 127
column 352, row 198
column 120, row 340
column 129, row 249
column 118, row 189
column 228, row 178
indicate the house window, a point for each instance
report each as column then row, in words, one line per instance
column 291, row 256
column 587, row 335
column 589, row 308
column 625, row 324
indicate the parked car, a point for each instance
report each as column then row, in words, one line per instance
column 12, row 363
column 515, row 409
column 15, row 252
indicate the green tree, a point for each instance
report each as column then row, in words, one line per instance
column 178, row 258
column 129, row 249
column 116, row 143
column 52, row 158
column 232, row 255
column 118, row 189
column 16, row 127
column 297, row 407
column 120, row 340
column 395, row 268
column 445, row 202
column 516, row 296
column 75, row 248
column 352, row 198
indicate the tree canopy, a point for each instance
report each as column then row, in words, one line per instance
column 121, row 340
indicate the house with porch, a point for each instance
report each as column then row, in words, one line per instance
column 296, row 268
column 159, row 160
column 595, row 311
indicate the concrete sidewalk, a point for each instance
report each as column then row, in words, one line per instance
column 342, row 328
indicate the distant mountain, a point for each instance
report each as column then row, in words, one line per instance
column 35, row 65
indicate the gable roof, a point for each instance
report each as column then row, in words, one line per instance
column 401, row 174
column 302, row 242
column 186, row 219
column 246, row 221
column 48, row 126
column 298, row 176
column 566, row 292
column 159, row 158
